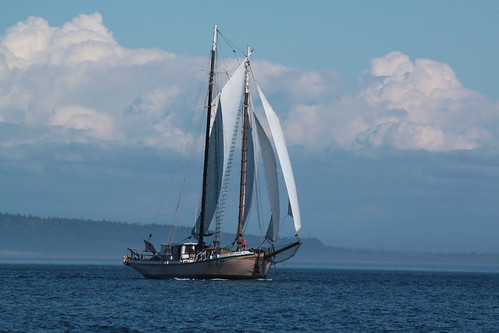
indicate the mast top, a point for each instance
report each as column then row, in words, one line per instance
column 214, row 46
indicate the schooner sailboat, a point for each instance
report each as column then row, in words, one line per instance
column 203, row 259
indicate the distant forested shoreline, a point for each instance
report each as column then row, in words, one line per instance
column 32, row 238
column 27, row 236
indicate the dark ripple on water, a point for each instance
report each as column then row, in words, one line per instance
column 93, row 298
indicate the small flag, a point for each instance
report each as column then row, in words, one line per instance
column 149, row 247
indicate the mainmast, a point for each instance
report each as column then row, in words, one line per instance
column 244, row 151
column 211, row 83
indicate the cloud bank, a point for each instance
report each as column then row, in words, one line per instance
column 75, row 83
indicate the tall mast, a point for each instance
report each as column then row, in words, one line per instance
column 244, row 151
column 211, row 83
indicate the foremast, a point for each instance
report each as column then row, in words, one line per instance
column 244, row 159
column 211, row 83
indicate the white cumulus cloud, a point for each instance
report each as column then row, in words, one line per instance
column 404, row 104
column 78, row 84
column 76, row 117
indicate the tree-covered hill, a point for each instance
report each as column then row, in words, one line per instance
column 62, row 239
column 53, row 238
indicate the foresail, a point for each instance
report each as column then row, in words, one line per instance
column 270, row 168
column 282, row 153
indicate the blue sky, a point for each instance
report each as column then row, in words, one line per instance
column 390, row 108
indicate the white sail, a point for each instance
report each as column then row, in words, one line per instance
column 227, row 106
column 215, row 106
column 250, row 173
column 270, row 167
column 215, row 168
column 231, row 101
column 282, row 153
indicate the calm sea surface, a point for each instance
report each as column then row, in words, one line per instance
column 107, row 298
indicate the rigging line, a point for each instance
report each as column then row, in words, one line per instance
column 218, row 60
column 232, row 45
column 192, row 157
column 175, row 168
column 174, row 229
column 227, row 61
column 186, row 181
column 278, row 270
column 227, row 66
column 282, row 220
column 198, row 135
column 190, row 163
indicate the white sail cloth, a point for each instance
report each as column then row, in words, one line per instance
column 250, row 173
column 270, row 167
column 224, row 120
column 283, row 155
column 227, row 106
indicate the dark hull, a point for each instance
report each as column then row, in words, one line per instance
column 242, row 266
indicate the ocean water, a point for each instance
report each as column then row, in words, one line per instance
column 113, row 298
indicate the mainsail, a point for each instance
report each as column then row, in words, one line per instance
column 227, row 106
column 215, row 168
